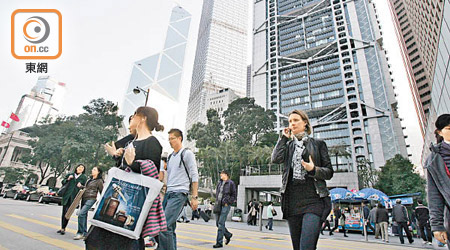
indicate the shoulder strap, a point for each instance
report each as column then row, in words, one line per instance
column 182, row 161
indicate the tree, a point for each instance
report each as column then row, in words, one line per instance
column 68, row 141
column 367, row 175
column 339, row 150
column 246, row 122
column 398, row 177
column 207, row 134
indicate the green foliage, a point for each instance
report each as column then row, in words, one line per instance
column 367, row 175
column 246, row 122
column 13, row 175
column 61, row 145
column 207, row 135
column 248, row 140
column 398, row 177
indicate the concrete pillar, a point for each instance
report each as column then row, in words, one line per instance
column 8, row 155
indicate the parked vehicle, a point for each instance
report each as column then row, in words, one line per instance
column 6, row 187
column 17, row 192
column 44, row 194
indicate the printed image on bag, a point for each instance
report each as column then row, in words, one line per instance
column 125, row 202
column 121, row 204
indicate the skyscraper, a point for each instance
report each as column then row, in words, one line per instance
column 162, row 73
column 440, row 93
column 417, row 25
column 220, row 60
column 326, row 58
column 44, row 100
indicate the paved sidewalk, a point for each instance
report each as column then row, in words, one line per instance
column 393, row 240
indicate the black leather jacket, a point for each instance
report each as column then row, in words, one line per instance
column 284, row 150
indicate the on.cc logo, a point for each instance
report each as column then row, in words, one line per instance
column 40, row 28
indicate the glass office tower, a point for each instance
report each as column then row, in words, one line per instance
column 327, row 58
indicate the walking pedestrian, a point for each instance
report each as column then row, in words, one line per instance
column 400, row 215
column 253, row 213
column 438, row 184
column 373, row 219
column 226, row 196
column 423, row 219
column 270, row 215
column 382, row 219
column 337, row 215
column 142, row 153
column 326, row 224
column 93, row 186
column 306, row 167
column 75, row 180
column 342, row 222
column 366, row 219
column 163, row 176
column 182, row 179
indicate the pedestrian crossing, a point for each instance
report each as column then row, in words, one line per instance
column 189, row 235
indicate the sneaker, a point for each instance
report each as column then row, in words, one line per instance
column 430, row 243
column 61, row 231
column 217, row 245
column 78, row 237
column 227, row 240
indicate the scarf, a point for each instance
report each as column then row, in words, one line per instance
column 298, row 171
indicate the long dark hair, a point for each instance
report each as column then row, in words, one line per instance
column 100, row 172
column 152, row 118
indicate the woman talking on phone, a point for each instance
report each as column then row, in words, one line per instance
column 304, row 191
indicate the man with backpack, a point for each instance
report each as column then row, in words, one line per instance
column 182, row 179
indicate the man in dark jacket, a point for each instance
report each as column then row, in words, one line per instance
column 400, row 215
column 423, row 219
column 226, row 196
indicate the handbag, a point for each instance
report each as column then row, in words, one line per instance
column 274, row 212
column 63, row 189
column 125, row 202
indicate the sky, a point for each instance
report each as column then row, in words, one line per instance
column 102, row 39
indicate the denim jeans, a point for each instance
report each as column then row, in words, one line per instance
column 270, row 223
column 173, row 204
column 304, row 230
column 82, row 217
column 220, row 223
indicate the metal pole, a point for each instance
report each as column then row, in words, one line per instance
column 260, row 217
column 146, row 97
column 366, row 237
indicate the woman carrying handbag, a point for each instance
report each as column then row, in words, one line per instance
column 71, row 185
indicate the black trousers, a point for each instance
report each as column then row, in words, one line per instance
column 65, row 221
column 336, row 225
column 401, row 226
column 425, row 232
column 325, row 225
